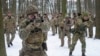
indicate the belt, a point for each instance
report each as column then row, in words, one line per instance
column 38, row 49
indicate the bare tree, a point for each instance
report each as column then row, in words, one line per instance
column 64, row 9
column 97, row 19
column 2, row 42
column 4, row 6
column 58, row 5
column 79, row 6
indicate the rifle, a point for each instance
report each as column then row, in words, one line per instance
column 78, row 29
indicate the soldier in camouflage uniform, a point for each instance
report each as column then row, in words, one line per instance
column 79, row 27
column 32, row 35
column 90, row 16
column 54, row 24
column 46, row 26
column 66, row 26
column 21, row 18
column 9, row 28
column 59, row 20
column 91, row 26
column 61, row 34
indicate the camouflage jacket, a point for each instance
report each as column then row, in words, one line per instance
column 45, row 24
column 35, row 37
column 81, row 26
column 60, row 19
column 32, row 35
column 20, row 20
column 9, row 24
column 54, row 21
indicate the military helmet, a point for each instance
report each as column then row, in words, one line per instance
column 85, row 14
column 31, row 9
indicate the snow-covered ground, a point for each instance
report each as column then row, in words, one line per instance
column 54, row 49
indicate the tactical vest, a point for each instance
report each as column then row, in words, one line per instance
column 34, row 39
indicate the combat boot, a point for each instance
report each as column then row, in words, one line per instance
column 70, row 53
column 53, row 34
column 62, row 45
column 83, row 54
column 11, row 44
column 8, row 45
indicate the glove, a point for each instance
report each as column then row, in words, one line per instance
column 27, row 23
column 31, row 20
column 36, row 30
column 32, row 31
column 56, row 25
column 42, row 20
column 44, row 46
column 72, row 30
column 68, row 22
column 61, row 27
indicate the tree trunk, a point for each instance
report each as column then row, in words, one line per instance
column 89, row 5
column 42, row 6
column 64, row 9
column 14, row 7
column 2, row 42
column 78, row 6
column 85, row 5
column 58, row 5
column 98, row 19
column 4, row 6
column 20, row 7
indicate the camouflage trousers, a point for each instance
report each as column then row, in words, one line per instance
column 62, row 34
column 91, row 31
column 75, row 38
column 45, row 36
column 8, row 38
column 32, row 53
column 54, row 30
